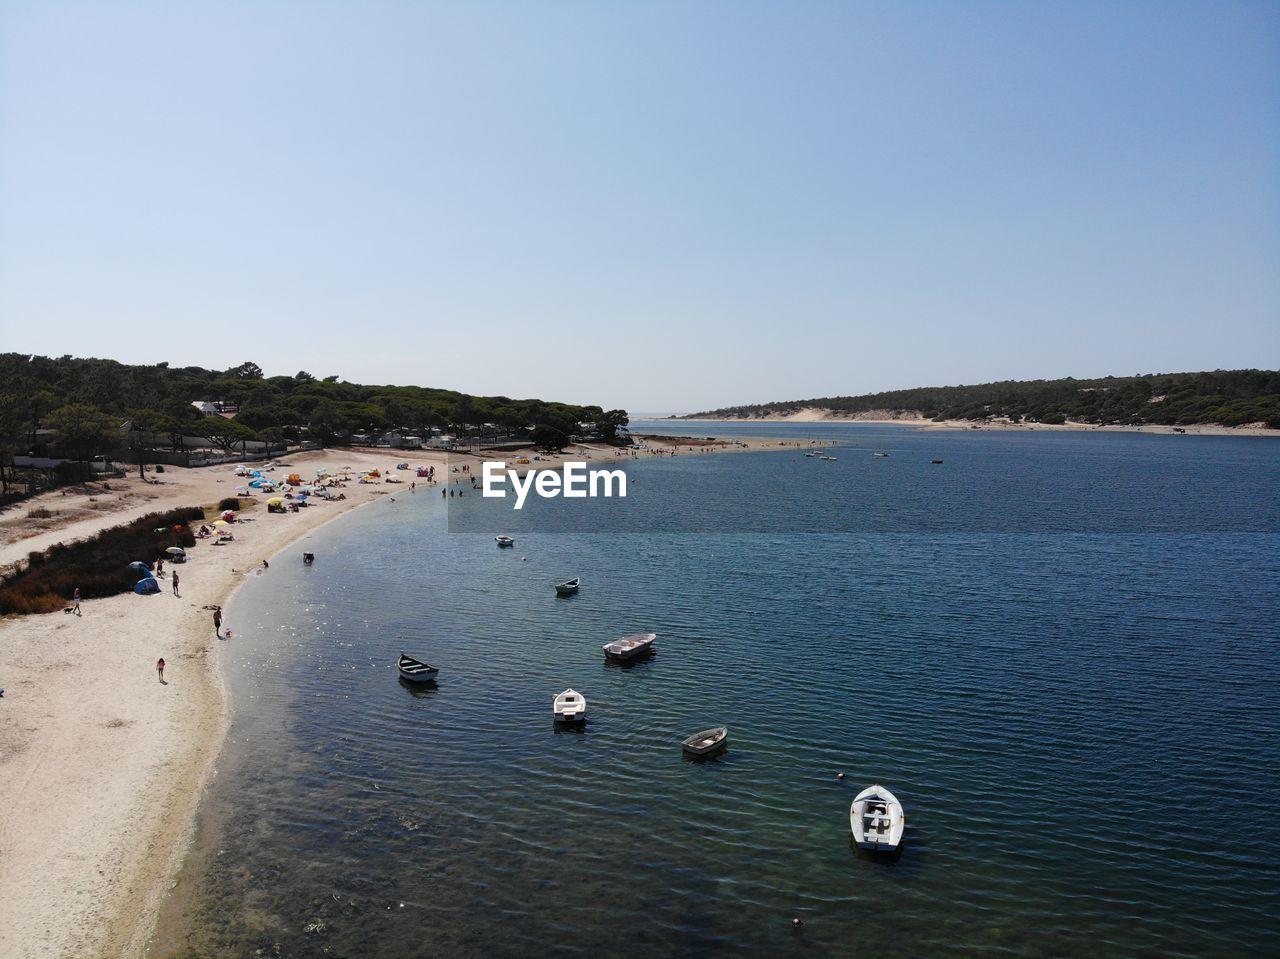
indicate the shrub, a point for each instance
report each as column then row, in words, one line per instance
column 229, row 503
column 97, row 566
column 39, row 513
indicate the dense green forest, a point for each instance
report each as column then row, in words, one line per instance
column 1228, row 397
column 88, row 400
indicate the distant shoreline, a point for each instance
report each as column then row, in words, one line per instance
column 919, row 422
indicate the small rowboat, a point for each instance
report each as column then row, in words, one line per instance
column 415, row 670
column 877, row 820
column 879, row 454
column 936, row 462
column 630, row 647
column 706, row 742
column 568, row 588
column 504, row 541
column 569, row 707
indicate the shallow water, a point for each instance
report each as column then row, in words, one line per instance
column 1081, row 724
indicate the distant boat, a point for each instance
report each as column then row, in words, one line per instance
column 831, row 458
column 937, row 461
column 877, row 819
column 415, row 670
column 811, row 454
column 706, row 742
column 879, row 454
column 630, row 647
column 505, row 541
column 568, row 588
column 569, row 707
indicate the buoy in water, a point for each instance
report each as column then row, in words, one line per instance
column 797, row 922
column 839, row 775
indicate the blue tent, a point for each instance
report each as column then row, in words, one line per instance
column 140, row 568
column 147, row 586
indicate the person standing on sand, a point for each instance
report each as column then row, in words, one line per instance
column 265, row 564
column 76, row 601
column 217, row 621
column 175, row 584
column 160, row 668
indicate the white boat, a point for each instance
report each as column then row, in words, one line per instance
column 879, row 454
column 630, row 647
column 706, row 742
column 568, row 588
column 810, row 454
column 504, row 541
column 570, row 707
column 876, row 819
column 831, row 458
column 415, row 670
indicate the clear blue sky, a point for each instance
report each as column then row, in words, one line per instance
column 660, row 206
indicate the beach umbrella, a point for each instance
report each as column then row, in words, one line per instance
column 140, row 567
column 229, row 515
column 176, row 551
column 256, row 484
column 276, row 501
column 220, row 522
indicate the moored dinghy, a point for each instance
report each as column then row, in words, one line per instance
column 630, row 647
column 568, row 588
column 505, row 541
column 877, row 819
column 706, row 742
column 415, row 670
column 569, row 707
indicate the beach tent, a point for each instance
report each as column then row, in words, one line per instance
column 147, row 586
column 255, row 484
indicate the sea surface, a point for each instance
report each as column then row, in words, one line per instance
column 1058, row 650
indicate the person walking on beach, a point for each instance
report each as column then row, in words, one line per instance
column 175, row 584
column 217, row 621
column 76, row 601
column 160, row 668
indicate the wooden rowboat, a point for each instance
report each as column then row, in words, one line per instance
column 568, row 588
column 415, row 670
column 706, row 742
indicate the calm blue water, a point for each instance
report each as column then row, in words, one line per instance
column 1082, row 725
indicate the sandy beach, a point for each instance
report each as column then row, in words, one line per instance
column 101, row 765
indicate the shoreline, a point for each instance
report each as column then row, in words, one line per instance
column 102, row 768
column 809, row 417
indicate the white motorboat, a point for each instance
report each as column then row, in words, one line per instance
column 630, row 647
column 570, row 707
column 876, row 819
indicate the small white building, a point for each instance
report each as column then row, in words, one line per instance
column 207, row 407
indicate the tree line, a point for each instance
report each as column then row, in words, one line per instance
column 88, row 400
column 1226, row 397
